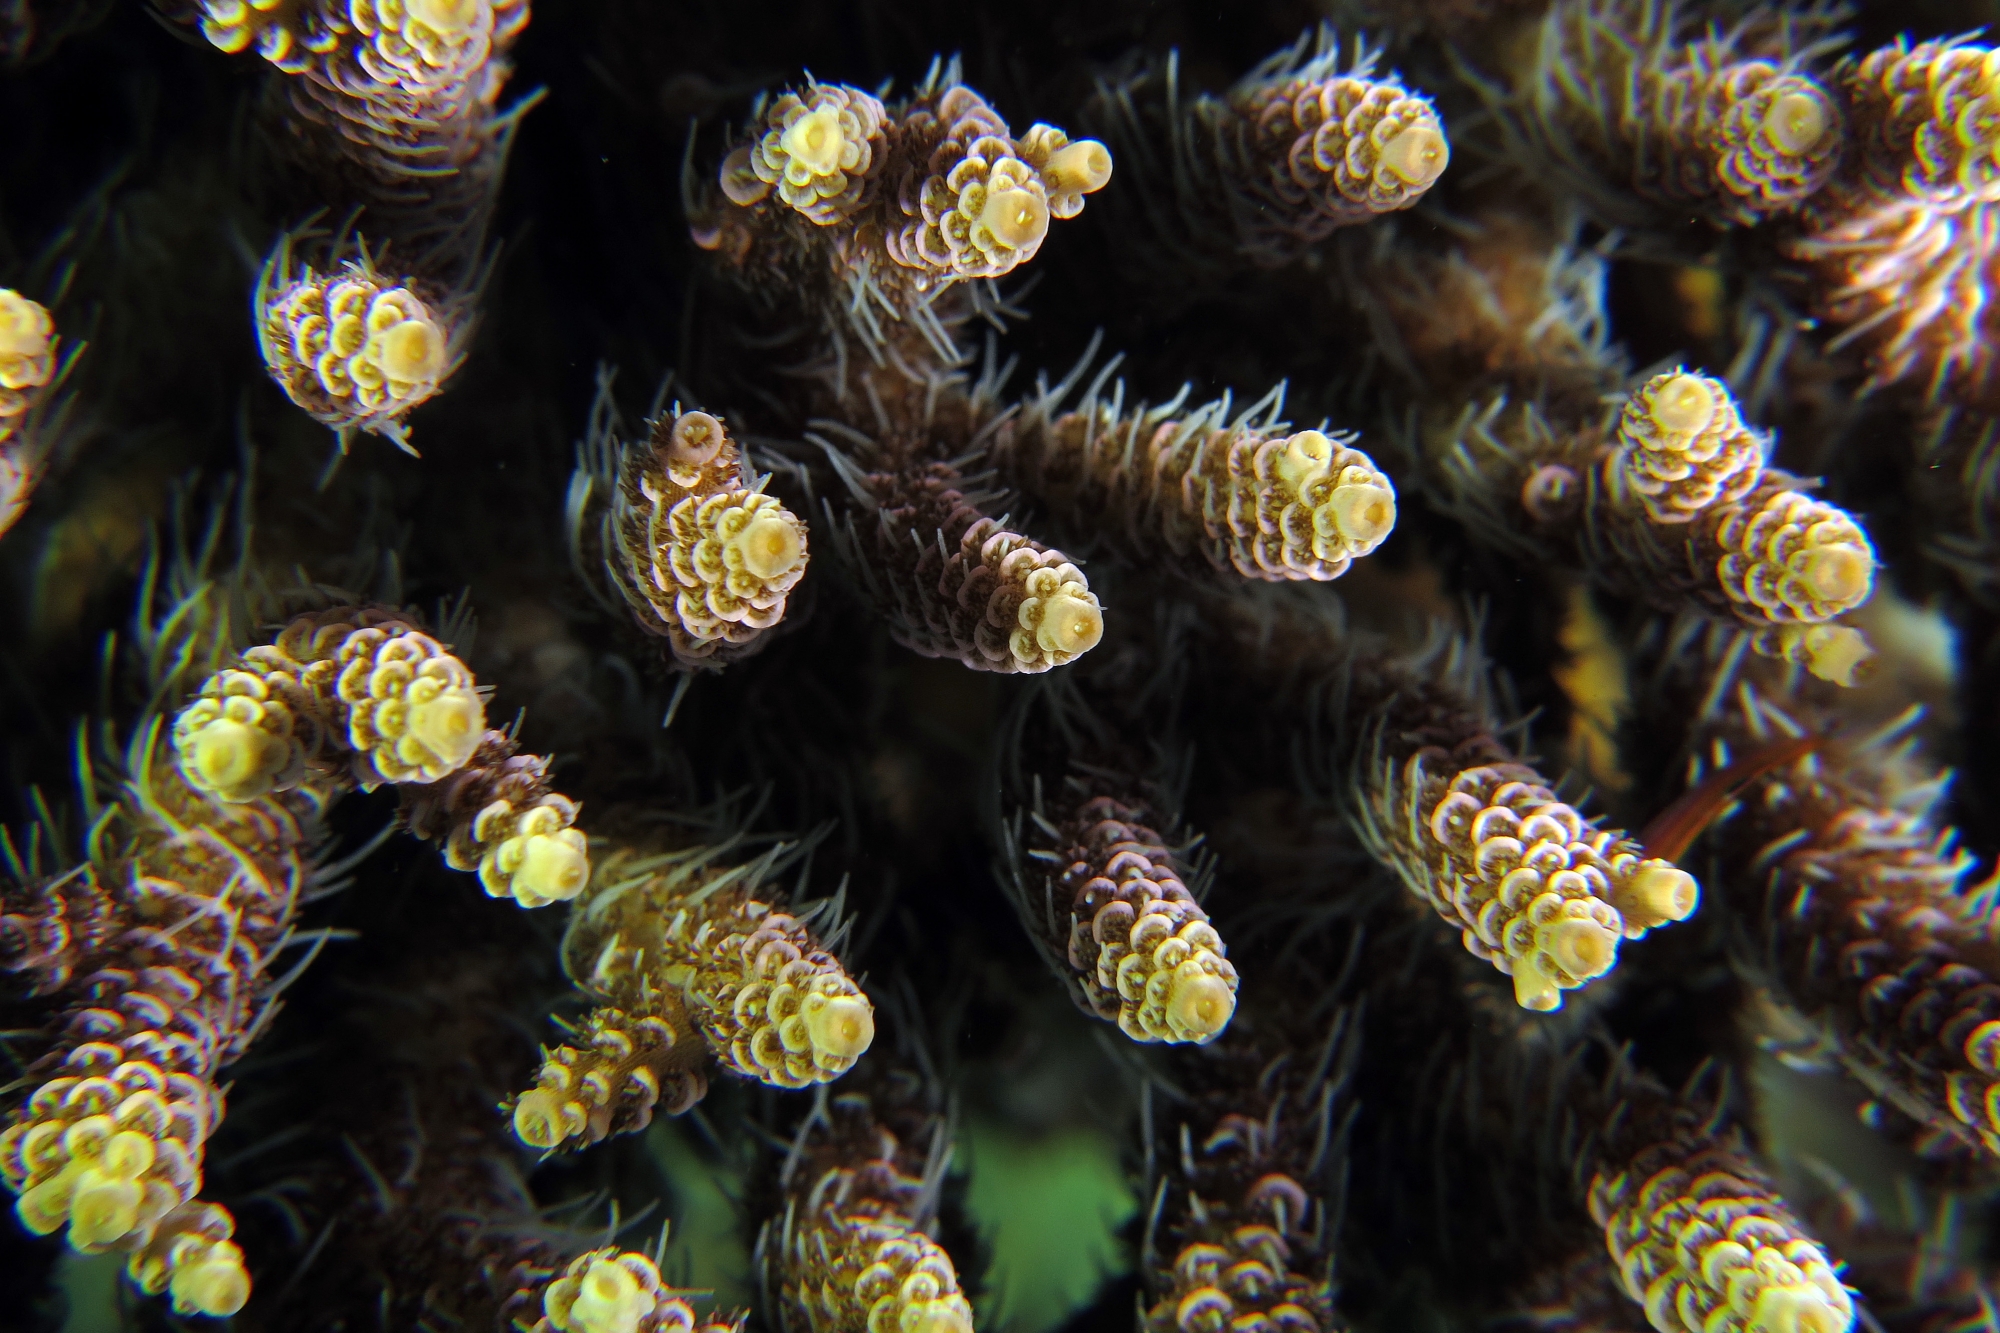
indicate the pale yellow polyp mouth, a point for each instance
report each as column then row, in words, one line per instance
column 842, row 1028
column 1083, row 166
column 1795, row 124
column 1305, row 460
column 1069, row 625
column 538, row 1119
column 1017, row 218
column 451, row 725
column 1837, row 574
column 1684, row 405
column 413, row 351
column 226, row 755
column 608, row 1300
column 770, row 547
column 1417, row 155
column 1583, row 949
column 1363, row 514
column 1662, row 893
column 814, row 140
column 695, row 439
column 1201, row 1006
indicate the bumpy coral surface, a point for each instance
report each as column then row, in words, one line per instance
column 687, row 966
column 1143, row 950
column 1209, row 490
column 1701, row 1237
column 851, row 1253
column 1682, row 447
column 109, row 1144
column 1712, row 122
column 959, row 584
column 360, row 696
column 1536, row 889
column 353, row 348
column 821, row 151
column 1330, row 150
column 899, row 203
column 27, row 356
column 703, row 556
column 613, row 1291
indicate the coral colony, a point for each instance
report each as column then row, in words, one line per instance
column 1475, row 767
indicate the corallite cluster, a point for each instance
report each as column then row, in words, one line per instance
column 386, row 110
column 163, row 976
column 616, row 1291
column 1886, row 949
column 1212, row 491
column 1699, row 1233
column 849, row 1252
column 703, row 557
column 1306, row 143
column 1329, row 149
column 685, row 966
column 1141, row 950
column 885, row 208
column 1536, row 889
column 956, row 583
column 359, row 696
column 1905, row 244
column 1709, row 121
column 1687, row 512
column 1243, row 1213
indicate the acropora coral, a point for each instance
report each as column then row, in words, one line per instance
column 1068, row 666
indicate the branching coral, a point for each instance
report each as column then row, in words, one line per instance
column 1700, row 1235
column 850, row 1251
column 617, row 1291
column 1215, row 491
column 880, row 211
column 1903, row 245
column 1139, row 949
column 680, row 957
column 1304, row 144
column 1249, row 1192
column 355, row 348
column 1853, row 890
column 359, row 696
column 191, row 901
column 1677, row 507
column 1729, row 125
column 1534, row 887
column 697, row 551
column 388, row 111
column 956, row 583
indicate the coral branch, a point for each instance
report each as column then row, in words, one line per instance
column 698, row 552
column 172, row 983
column 1304, row 144
column 1700, row 1235
column 868, row 213
column 850, row 1253
column 673, row 947
column 360, row 696
column 1215, row 491
column 956, row 583
column 1726, row 124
